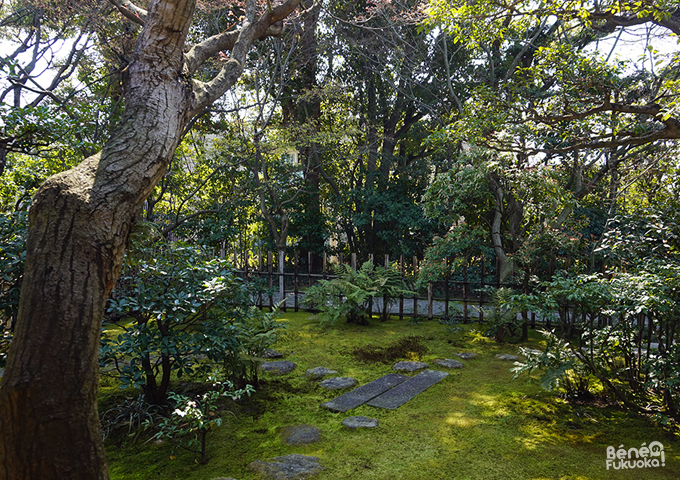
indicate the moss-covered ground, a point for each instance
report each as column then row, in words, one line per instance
column 476, row 424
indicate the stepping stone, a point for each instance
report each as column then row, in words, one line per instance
column 447, row 363
column 288, row 467
column 338, row 383
column 360, row 422
column 281, row 367
column 404, row 392
column 409, row 366
column 362, row 394
column 466, row 355
column 270, row 353
column 319, row 372
column 301, row 435
column 505, row 356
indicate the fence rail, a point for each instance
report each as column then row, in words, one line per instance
column 462, row 296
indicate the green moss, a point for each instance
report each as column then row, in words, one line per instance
column 475, row 424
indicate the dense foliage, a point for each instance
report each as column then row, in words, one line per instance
column 178, row 312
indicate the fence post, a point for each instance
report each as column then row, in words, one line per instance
column 324, row 265
column 481, row 293
column 415, row 297
column 354, row 262
column 465, row 293
column 295, row 280
column 384, row 305
column 447, row 260
column 282, row 278
column 401, row 297
column 270, row 277
column 309, row 268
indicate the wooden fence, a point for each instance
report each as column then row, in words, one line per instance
column 461, row 296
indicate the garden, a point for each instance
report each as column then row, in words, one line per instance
column 391, row 239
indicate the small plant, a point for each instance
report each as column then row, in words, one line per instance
column 351, row 295
column 130, row 415
column 192, row 419
column 561, row 367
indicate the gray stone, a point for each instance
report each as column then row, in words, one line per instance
column 409, row 366
column 505, row 356
column 338, row 383
column 364, row 393
column 466, row 355
column 319, row 372
column 271, row 353
column 301, row 435
column 281, row 367
column 360, row 422
column 404, row 392
column 288, row 467
column 448, row 363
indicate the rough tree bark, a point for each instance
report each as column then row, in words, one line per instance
column 79, row 226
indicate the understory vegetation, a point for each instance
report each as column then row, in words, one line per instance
column 477, row 423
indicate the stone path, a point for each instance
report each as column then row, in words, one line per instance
column 360, row 422
column 362, row 394
column 448, row 363
column 339, row 383
column 280, row 367
column 405, row 391
column 407, row 366
column 301, row 434
column 288, row 467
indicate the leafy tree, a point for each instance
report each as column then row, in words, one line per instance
column 79, row 226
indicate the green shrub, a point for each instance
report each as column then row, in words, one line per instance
column 180, row 313
column 351, row 295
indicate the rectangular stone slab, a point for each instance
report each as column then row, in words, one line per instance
column 405, row 391
column 364, row 393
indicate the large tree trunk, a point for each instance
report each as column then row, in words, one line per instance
column 80, row 221
column 79, row 225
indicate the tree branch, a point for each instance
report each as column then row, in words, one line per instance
column 252, row 30
column 130, row 11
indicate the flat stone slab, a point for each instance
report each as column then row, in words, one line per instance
column 364, row 393
column 505, row 356
column 409, row 366
column 360, row 422
column 404, row 392
column 319, row 372
column 338, row 383
column 288, row 467
column 271, row 353
column 301, row 435
column 448, row 363
column 284, row 366
column 466, row 355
